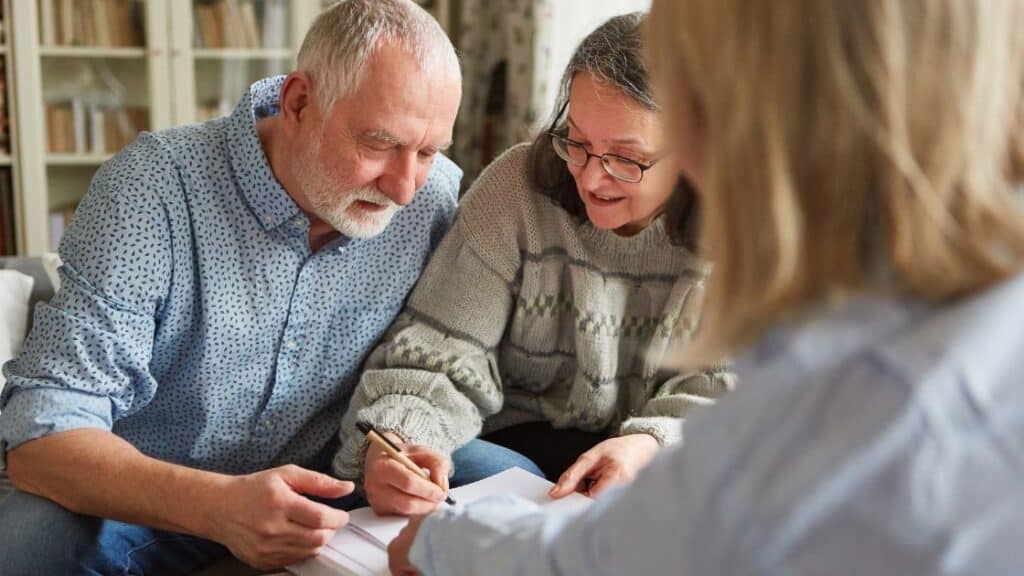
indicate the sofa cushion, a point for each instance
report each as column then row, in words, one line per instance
column 42, row 270
column 15, row 289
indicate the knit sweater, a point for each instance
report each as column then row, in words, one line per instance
column 526, row 313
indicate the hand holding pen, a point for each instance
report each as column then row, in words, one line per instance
column 405, row 481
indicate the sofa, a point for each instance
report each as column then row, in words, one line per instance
column 42, row 270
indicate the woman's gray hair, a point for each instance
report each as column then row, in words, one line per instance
column 613, row 54
column 344, row 37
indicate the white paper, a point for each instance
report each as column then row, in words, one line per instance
column 361, row 547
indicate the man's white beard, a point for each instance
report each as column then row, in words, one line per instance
column 348, row 218
column 338, row 207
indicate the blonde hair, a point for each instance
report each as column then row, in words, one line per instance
column 851, row 146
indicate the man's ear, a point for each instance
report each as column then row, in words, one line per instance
column 298, row 101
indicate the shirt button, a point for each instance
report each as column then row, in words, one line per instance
column 297, row 221
column 290, row 344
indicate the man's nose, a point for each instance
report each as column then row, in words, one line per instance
column 399, row 182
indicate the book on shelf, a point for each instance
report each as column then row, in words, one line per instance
column 247, row 12
column 275, row 24
column 247, row 24
column 47, row 22
column 229, row 15
column 91, row 23
column 79, row 125
column 64, row 13
column 5, row 127
column 7, row 220
column 97, row 130
column 209, row 28
column 76, row 128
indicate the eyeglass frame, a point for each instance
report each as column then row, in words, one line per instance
column 555, row 135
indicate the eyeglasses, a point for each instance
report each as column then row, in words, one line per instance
column 619, row 167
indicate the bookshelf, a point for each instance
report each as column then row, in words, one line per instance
column 10, row 222
column 90, row 74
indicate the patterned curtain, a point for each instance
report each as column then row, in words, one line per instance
column 502, row 44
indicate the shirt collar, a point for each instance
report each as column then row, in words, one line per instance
column 268, row 200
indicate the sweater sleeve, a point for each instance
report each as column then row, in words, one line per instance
column 674, row 399
column 433, row 379
column 678, row 393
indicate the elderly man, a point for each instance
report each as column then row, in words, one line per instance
column 222, row 283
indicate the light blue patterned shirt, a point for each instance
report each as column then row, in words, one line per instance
column 883, row 437
column 193, row 319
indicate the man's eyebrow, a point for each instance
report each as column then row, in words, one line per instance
column 383, row 135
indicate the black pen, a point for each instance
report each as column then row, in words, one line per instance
column 395, row 452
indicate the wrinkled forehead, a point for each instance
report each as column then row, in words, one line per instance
column 398, row 96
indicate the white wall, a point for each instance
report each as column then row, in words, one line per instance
column 573, row 20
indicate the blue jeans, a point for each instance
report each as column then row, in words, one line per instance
column 480, row 459
column 38, row 536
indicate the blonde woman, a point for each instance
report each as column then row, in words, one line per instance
column 859, row 165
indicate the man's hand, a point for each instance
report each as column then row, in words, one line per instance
column 398, row 550
column 391, row 488
column 267, row 522
column 614, row 461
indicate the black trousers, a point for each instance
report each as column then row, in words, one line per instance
column 553, row 450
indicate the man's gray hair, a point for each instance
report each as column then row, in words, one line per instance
column 344, row 37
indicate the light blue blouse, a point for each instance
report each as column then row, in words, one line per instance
column 881, row 437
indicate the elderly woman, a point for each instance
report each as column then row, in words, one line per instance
column 543, row 316
column 859, row 165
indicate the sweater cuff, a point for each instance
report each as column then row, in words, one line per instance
column 413, row 419
column 667, row 431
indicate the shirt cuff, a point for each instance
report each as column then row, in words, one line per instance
column 457, row 540
column 32, row 413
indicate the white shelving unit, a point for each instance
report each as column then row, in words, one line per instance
column 52, row 74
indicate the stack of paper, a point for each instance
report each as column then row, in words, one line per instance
column 360, row 549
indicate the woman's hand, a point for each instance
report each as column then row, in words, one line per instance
column 614, row 461
column 391, row 488
column 398, row 550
